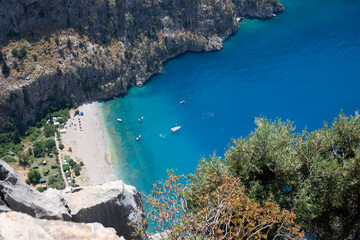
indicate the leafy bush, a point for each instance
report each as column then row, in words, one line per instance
column 56, row 182
column 315, row 174
column 77, row 172
column 34, row 176
column 77, row 168
column 72, row 163
column 66, row 167
column 223, row 211
column 27, row 181
column 19, row 53
column 33, row 133
column 40, row 189
column 61, row 146
column 9, row 159
column 49, row 130
column 81, row 163
column 50, row 144
column 38, row 148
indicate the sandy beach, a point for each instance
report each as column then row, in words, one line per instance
column 87, row 141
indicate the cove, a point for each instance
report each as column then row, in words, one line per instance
column 303, row 65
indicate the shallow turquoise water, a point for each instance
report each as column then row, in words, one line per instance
column 304, row 65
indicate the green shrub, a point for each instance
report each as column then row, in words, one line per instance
column 77, row 172
column 27, row 181
column 61, row 146
column 38, row 148
column 66, row 167
column 49, row 130
column 56, row 182
column 50, row 144
column 9, row 159
column 34, row 176
column 81, row 163
column 40, row 189
column 72, row 163
column 19, row 53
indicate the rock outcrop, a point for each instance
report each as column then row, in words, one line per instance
column 112, row 204
column 16, row 195
column 74, row 51
column 19, row 226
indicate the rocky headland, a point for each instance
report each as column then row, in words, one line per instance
column 55, row 52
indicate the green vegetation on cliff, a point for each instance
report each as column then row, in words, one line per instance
column 315, row 175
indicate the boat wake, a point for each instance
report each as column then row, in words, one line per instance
column 162, row 135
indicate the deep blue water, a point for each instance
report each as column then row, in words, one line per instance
column 304, row 65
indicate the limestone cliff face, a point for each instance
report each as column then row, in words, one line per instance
column 16, row 195
column 81, row 50
column 15, row 225
column 112, row 204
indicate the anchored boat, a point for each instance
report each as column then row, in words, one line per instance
column 174, row 129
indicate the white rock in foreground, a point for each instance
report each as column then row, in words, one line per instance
column 19, row 226
column 112, row 204
column 16, row 195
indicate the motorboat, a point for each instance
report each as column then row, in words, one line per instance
column 182, row 102
column 119, row 120
column 140, row 119
column 174, row 129
column 138, row 137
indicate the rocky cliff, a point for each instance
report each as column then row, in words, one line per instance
column 19, row 226
column 112, row 204
column 66, row 51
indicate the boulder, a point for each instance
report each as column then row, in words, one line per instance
column 16, row 195
column 15, row 225
column 112, row 204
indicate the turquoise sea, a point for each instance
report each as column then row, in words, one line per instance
column 303, row 65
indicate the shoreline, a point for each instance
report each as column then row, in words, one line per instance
column 88, row 145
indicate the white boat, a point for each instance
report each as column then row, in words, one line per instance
column 119, row 120
column 140, row 119
column 138, row 137
column 174, row 129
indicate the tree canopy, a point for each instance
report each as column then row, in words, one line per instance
column 294, row 178
column 314, row 174
column 34, row 176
